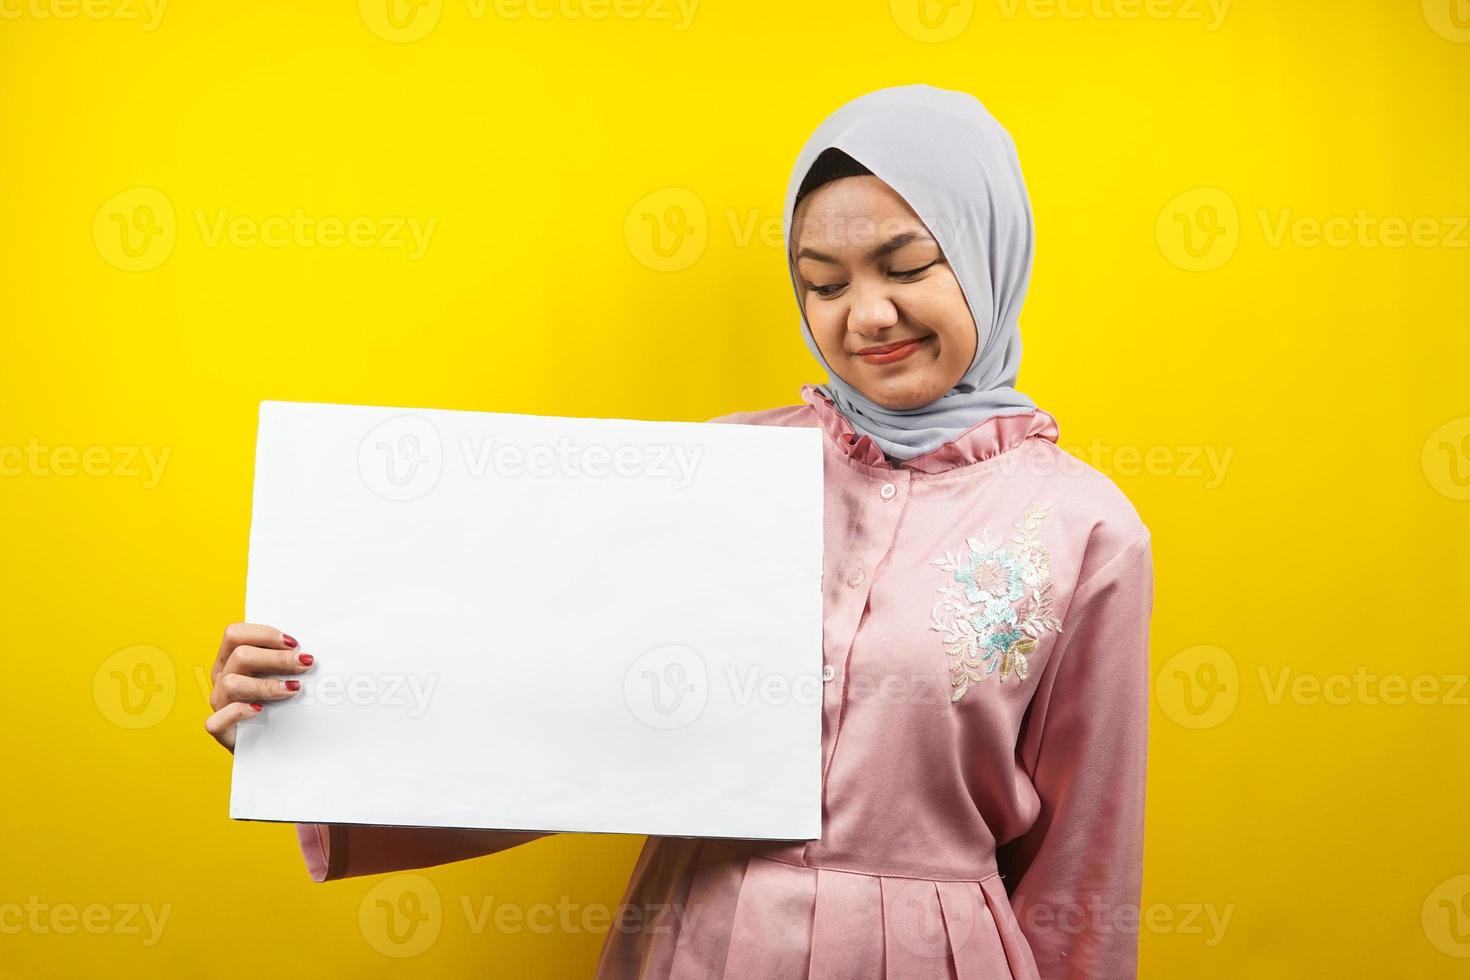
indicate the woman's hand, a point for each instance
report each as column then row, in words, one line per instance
column 247, row 651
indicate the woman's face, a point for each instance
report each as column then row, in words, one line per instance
column 882, row 302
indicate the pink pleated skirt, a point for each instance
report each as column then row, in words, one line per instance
column 698, row 909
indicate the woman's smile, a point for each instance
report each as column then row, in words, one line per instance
column 894, row 352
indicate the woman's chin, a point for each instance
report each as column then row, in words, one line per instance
column 900, row 394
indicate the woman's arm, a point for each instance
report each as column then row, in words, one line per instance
column 1076, row 876
column 335, row 851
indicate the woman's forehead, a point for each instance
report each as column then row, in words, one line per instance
column 855, row 212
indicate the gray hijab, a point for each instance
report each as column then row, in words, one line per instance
column 945, row 154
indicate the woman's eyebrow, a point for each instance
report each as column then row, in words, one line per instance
column 892, row 245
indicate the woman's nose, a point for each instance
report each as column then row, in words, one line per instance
column 872, row 308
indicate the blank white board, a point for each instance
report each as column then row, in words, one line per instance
column 529, row 622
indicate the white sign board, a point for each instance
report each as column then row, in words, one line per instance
column 528, row 622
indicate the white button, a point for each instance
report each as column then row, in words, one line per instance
column 828, row 672
column 856, row 578
column 887, row 491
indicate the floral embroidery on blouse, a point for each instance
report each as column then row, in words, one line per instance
column 999, row 603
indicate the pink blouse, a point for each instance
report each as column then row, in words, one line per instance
column 984, row 739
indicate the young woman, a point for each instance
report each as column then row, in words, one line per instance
column 986, row 607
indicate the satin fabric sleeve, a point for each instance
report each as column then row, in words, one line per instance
column 335, row 851
column 1076, row 875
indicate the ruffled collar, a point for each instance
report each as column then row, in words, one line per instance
column 995, row 435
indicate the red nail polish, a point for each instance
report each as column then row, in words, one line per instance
column 293, row 685
column 305, row 659
column 257, row 707
column 289, row 640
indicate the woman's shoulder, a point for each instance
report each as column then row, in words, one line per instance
column 1084, row 502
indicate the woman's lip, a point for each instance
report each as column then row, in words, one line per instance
column 894, row 354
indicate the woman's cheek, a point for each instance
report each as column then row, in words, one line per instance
column 828, row 331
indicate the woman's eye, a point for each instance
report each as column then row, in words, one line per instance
column 909, row 273
column 827, row 290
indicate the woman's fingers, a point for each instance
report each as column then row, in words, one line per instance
column 238, row 680
column 257, row 660
column 223, row 723
column 251, row 634
column 247, row 650
column 243, row 687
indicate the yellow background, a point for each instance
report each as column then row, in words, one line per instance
column 1163, row 145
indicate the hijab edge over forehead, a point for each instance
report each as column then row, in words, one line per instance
column 956, row 167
